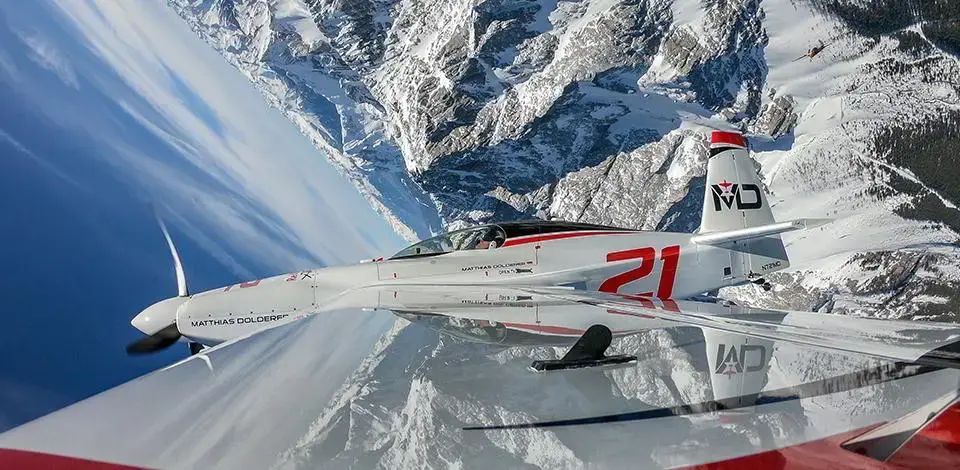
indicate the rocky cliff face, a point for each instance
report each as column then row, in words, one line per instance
column 452, row 112
column 447, row 113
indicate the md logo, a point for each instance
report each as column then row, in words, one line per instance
column 727, row 194
column 730, row 361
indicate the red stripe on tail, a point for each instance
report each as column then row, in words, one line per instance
column 726, row 139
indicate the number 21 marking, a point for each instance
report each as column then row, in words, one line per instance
column 670, row 256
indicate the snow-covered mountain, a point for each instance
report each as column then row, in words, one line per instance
column 446, row 113
column 452, row 112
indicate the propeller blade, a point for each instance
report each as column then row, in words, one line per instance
column 160, row 340
column 181, row 279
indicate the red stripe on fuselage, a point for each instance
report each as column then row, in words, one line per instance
column 559, row 330
column 558, row 236
column 553, row 330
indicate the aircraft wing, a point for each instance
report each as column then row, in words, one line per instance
column 352, row 387
column 928, row 343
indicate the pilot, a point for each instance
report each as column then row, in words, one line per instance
column 491, row 239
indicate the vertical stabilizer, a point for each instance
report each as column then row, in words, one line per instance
column 735, row 200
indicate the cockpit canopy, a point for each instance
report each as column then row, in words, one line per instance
column 493, row 236
column 475, row 238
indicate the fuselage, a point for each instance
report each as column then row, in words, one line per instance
column 655, row 264
column 738, row 240
column 658, row 265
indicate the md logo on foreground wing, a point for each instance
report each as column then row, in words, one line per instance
column 731, row 362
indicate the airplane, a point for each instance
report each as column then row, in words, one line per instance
column 738, row 242
column 554, row 283
column 814, row 51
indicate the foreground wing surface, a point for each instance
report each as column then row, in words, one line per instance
column 233, row 406
column 353, row 387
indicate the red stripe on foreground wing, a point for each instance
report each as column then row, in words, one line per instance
column 813, row 455
column 936, row 446
column 946, row 428
column 15, row 459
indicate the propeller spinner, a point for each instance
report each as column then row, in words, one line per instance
column 159, row 321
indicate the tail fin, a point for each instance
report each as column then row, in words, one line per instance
column 735, row 200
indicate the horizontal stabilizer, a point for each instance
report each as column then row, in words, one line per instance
column 728, row 236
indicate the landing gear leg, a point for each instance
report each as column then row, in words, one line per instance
column 587, row 352
column 763, row 284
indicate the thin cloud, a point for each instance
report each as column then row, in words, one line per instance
column 23, row 151
column 239, row 167
column 7, row 67
column 48, row 56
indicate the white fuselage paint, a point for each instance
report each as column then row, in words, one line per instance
column 636, row 263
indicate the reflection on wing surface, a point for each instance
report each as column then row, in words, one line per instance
column 327, row 392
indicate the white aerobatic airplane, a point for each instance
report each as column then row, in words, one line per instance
column 738, row 241
column 553, row 282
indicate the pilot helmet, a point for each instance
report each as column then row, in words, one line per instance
column 493, row 236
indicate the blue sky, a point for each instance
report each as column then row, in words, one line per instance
column 106, row 109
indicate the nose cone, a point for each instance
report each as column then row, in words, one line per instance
column 158, row 316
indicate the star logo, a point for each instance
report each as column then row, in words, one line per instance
column 725, row 185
